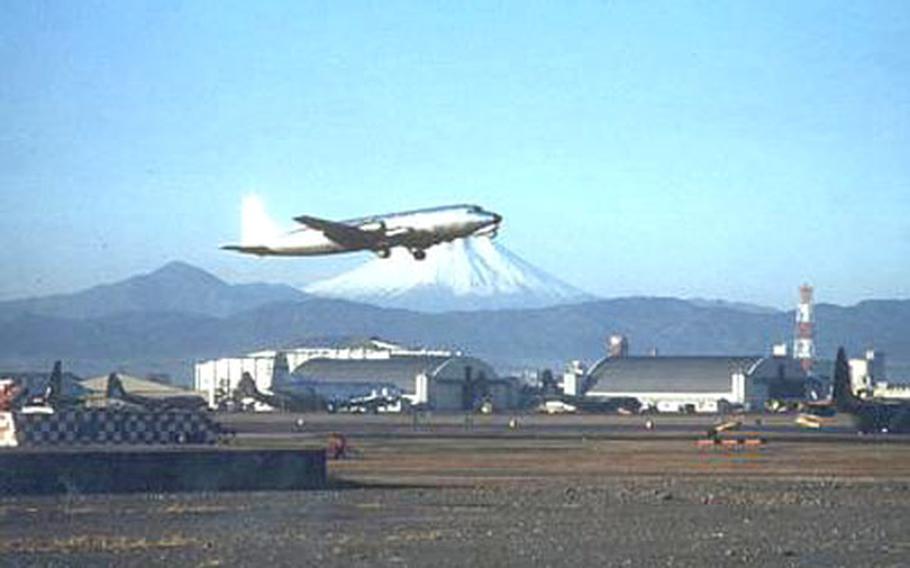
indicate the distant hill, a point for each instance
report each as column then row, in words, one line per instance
column 175, row 287
column 163, row 330
column 740, row 306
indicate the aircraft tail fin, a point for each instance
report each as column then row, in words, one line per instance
column 247, row 386
column 280, row 369
column 257, row 228
column 115, row 387
column 842, row 391
column 54, row 388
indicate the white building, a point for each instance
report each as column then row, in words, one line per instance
column 439, row 379
column 573, row 379
column 700, row 384
column 439, row 382
column 217, row 378
column 867, row 373
column 867, row 377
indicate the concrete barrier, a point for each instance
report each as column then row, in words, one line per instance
column 94, row 426
column 25, row 470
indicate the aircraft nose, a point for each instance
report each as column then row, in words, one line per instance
column 497, row 218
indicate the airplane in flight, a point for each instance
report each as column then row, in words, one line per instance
column 415, row 230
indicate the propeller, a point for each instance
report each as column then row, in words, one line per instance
column 492, row 231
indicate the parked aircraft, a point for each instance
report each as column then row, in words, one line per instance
column 290, row 400
column 620, row 404
column 370, row 404
column 871, row 416
column 415, row 230
column 53, row 398
column 556, row 406
column 592, row 405
column 115, row 391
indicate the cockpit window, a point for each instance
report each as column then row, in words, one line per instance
column 475, row 209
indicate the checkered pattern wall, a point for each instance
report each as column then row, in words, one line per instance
column 104, row 426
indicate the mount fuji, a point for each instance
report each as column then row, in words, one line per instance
column 467, row 274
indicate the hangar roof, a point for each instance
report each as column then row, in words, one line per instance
column 399, row 371
column 668, row 374
column 780, row 368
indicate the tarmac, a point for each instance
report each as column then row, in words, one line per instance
column 553, row 491
column 273, row 426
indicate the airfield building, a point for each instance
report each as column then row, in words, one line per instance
column 696, row 383
column 867, row 373
column 435, row 379
column 216, row 379
column 868, row 378
column 440, row 382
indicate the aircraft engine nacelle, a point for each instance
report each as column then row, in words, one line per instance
column 373, row 227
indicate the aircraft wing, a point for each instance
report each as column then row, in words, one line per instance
column 261, row 251
column 345, row 235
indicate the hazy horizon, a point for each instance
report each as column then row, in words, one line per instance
column 731, row 151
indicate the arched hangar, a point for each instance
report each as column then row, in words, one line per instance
column 453, row 382
column 699, row 383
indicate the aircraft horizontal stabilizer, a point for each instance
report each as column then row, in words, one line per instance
column 247, row 249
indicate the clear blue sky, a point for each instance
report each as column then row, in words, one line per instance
column 712, row 149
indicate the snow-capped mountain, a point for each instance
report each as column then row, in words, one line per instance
column 467, row 274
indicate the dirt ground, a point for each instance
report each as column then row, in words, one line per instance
column 531, row 500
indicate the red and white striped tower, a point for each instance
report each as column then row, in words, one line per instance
column 804, row 340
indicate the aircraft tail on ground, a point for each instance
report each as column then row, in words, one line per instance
column 281, row 371
column 115, row 387
column 54, row 390
column 842, row 391
column 247, row 387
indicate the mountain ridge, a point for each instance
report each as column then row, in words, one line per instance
column 169, row 341
column 176, row 286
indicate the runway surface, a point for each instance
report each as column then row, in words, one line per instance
column 596, row 426
column 555, row 491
